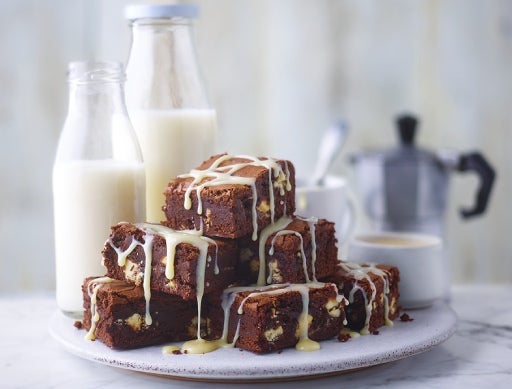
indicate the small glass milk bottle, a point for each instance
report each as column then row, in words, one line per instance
column 98, row 176
column 165, row 96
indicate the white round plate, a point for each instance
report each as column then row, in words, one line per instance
column 430, row 327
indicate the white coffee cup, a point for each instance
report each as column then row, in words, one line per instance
column 331, row 201
column 419, row 259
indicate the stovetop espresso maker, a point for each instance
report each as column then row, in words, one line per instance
column 406, row 188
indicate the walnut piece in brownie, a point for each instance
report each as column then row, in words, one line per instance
column 231, row 196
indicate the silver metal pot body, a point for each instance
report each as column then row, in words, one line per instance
column 403, row 194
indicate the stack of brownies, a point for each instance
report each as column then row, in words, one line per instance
column 232, row 265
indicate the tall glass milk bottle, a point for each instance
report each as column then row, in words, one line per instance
column 165, row 96
column 98, row 176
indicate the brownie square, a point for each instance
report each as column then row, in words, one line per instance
column 272, row 318
column 197, row 264
column 120, row 309
column 295, row 250
column 372, row 292
column 231, row 197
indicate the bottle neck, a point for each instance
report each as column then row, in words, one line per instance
column 97, row 124
column 96, row 99
column 162, row 70
column 96, row 88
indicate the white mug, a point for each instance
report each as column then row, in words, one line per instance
column 332, row 201
column 419, row 258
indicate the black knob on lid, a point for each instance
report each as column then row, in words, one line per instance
column 407, row 128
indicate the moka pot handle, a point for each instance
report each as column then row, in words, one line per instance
column 476, row 162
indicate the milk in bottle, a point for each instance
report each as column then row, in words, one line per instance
column 166, row 100
column 98, row 177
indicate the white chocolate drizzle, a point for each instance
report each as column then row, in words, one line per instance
column 304, row 343
column 279, row 225
column 170, row 349
column 312, row 221
column 279, row 228
column 202, row 346
column 148, row 252
column 360, row 272
column 172, row 239
column 302, row 254
column 349, row 332
column 92, row 290
column 216, row 175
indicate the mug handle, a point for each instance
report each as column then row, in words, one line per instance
column 349, row 218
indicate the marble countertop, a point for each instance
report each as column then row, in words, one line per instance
column 478, row 355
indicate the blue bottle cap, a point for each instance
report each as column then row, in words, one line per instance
column 161, row 11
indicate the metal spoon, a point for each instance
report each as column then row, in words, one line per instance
column 330, row 145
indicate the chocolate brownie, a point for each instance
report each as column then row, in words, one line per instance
column 372, row 292
column 231, row 197
column 275, row 317
column 183, row 263
column 295, row 250
column 119, row 312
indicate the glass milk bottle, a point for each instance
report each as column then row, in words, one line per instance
column 166, row 100
column 98, row 176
